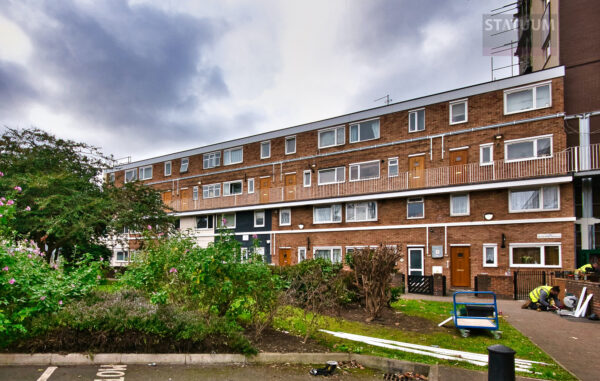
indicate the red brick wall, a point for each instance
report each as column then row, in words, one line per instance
column 575, row 286
column 502, row 285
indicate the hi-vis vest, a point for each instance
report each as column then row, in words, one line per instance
column 535, row 294
column 584, row 268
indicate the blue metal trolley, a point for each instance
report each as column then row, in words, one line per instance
column 476, row 315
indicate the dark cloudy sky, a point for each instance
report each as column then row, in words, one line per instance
column 144, row 78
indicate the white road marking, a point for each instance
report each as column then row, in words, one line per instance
column 47, row 373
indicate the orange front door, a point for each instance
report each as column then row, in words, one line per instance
column 185, row 195
column 461, row 266
column 290, row 186
column 166, row 198
column 285, row 257
column 416, row 168
column 265, row 185
column 458, row 166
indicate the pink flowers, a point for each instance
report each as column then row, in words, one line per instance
column 28, row 208
column 149, row 227
column 29, row 256
column 5, row 268
column 254, row 236
column 173, row 270
column 60, row 302
column 10, row 202
column 42, row 298
column 1, row 174
column 99, row 277
column 11, row 281
column 18, row 188
column 101, row 259
column 55, row 266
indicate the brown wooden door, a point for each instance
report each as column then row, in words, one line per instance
column 166, row 198
column 290, row 186
column 461, row 266
column 265, row 185
column 416, row 169
column 186, row 198
column 285, row 257
column 458, row 166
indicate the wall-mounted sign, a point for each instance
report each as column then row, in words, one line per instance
column 549, row 235
column 436, row 269
column 437, row 251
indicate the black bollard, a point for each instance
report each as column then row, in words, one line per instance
column 501, row 363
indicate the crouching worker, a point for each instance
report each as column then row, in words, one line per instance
column 543, row 298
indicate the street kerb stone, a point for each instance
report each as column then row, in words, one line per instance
column 208, row 358
column 70, row 359
column 25, row 359
column 107, row 358
column 158, row 358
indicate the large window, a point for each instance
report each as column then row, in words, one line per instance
column 167, row 168
column 265, row 150
column 526, row 149
column 332, row 137
column 327, row 214
column 185, row 163
column 490, row 255
column 259, row 218
column 231, row 188
column 364, row 171
column 534, row 199
column 486, row 154
column 365, row 130
column 333, row 254
column 393, row 167
column 458, row 111
column 146, row 173
column 211, row 191
column 415, row 207
column 535, row 255
column 285, row 217
column 290, row 145
column 233, row 156
column 459, row 205
column 122, row 256
column 130, row 175
column 212, row 159
column 204, row 222
column 332, row 175
column 416, row 120
column 528, row 98
column 361, row 211
column 226, row 220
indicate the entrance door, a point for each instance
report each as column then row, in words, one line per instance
column 265, row 185
column 185, row 197
column 461, row 266
column 166, row 198
column 416, row 174
column 290, row 186
column 415, row 261
column 458, row 166
column 285, row 257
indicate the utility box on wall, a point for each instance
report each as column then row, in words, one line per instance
column 437, row 251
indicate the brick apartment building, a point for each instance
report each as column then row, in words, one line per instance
column 470, row 181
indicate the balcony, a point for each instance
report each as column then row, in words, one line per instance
column 575, row 159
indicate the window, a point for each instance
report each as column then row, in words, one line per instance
column 204, row 222
column 122, row 256
column 459, row 205
column 415, row 261
column 363, row 131
column 250, row 185
column 233, row 156
column 211, row 191
column 184, row 164
column 301, row 254
column 167, row 168
column 111, row 177
column 535, row 255
column 244, row 254
column 130, row 175
column 534, row 199
column 332, row 137
column 525, row 99
column 146, row 173
column 332, row 254
column 486, row 154
column 364, row 171
column 211, row 160
column 416, row 120
column 459, row 111
column 393, row 167
column 361, row 211
column 231, row 188
column 290, row 145
column 530, row 148
column 332, row 175
column 490, row 255
column 327, row 214
column 285, row 217
column 415, row 208
column 265, row 150
column 259, row 218
column 226, row 220
column 194, row 193
column 307, row 178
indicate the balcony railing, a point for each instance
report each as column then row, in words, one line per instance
column 575, row 159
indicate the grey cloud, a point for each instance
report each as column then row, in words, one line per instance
column 15, row 89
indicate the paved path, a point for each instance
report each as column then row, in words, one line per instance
column 572, row 343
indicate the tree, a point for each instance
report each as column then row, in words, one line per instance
column 61, row 182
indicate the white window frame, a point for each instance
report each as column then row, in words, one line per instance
column 330, row 221
column 212, row 158
column 244, row 254
column 414, row 201
column 337, row 181
column 481, row 148
column 533, row 94
column 227, row 152
column 301, row 249
column 416, row 112
column 142, row 171
column 308, row 183
column 184, row 165
column 358, row 125
column 227, row 184
column 396, row 165
column 263, row 144
column 195, row 193
column 288, row 138
column 264, row 216
column 335, row 129
column 133, row 178
column 361, row 204
column 542, row 247
column 219, row 223
column 214, row 187
column 289, row 212
column 466, row 102
column 541, row 197
column 533, row 139
column 126, row 255
column 330, row 248
column 208, row 222
column 111, row 177
column 452, row 213
column 251, row 186
column 495, row 247
column 359, row 165
column 422, row 268
column 170, row 166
